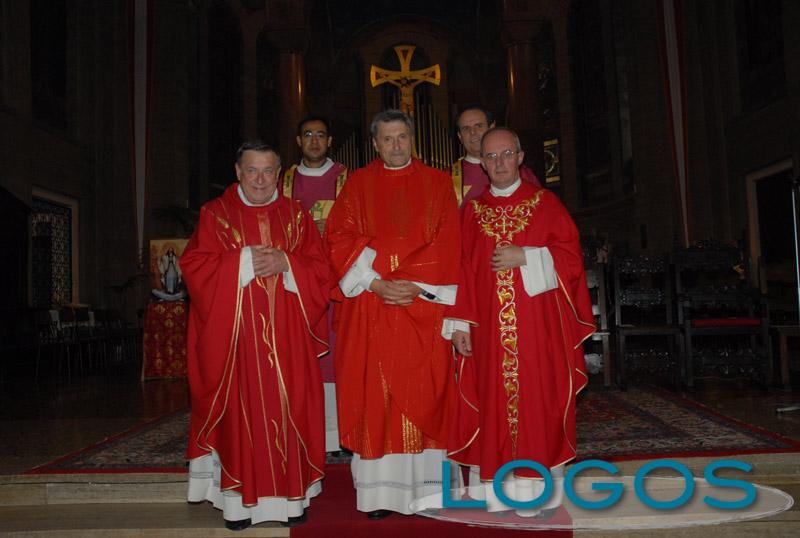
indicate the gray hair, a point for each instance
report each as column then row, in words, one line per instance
column 390, row 115
column 503, row 129
column 256, row 145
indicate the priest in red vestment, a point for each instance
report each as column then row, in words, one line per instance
column 470, row 179
column 521, row 315
column 315, row 183
column 394, row 243
column 259, row 282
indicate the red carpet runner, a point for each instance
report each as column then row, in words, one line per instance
column 333, row 513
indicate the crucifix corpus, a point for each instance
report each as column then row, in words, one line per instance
column 405, row 79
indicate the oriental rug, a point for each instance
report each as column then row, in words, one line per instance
column 640, row 423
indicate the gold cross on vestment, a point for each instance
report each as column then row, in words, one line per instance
column 405, row 79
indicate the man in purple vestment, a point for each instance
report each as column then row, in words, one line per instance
column 315, row 183
column 469, row 178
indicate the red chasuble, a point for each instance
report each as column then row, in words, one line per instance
column 394, row 371
column 517, row 391
column 253, row 352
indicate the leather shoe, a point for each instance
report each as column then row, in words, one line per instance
column 238, row 525
column 294, row 521
column 379, row 514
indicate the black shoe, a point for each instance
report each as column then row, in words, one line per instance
column 294, row 521
column 379, row 514
column 238, row 525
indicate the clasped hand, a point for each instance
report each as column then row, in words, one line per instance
column 507, row 257
column 395, row 292
column 268, row 261
column 462, row 342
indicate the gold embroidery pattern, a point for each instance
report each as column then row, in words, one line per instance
column 458, row 181
column 412, row 436
column 502, row 224
column 288, row 181
column 340, row 181
column 223, row 222
column 227, row 232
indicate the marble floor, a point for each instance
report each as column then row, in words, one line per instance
column 40, row 421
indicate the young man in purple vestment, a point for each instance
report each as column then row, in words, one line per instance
column 469, row 178
column 316, row 183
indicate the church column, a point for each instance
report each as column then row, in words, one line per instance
column 249, row 86
column 519, row 38
column 292, row 91
column 288, row 29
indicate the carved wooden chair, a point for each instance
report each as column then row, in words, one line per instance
column 643, row 311
column 725, row 320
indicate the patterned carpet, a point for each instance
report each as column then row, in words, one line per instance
column 645, row 422
column 639, row 423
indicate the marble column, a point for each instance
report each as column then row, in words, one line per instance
column 292, row 97
column 287, row 30
column 520, row 40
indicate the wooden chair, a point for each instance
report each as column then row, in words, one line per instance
column 643, row 310
column 68, row 331
column 725, row 321
column 596, row 281
column 48, row 337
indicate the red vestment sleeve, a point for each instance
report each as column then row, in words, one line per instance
column 313, row 276
column 212, row 278
column 465, row 307
column 465, row 424
column 563, row 242
column 345, row 236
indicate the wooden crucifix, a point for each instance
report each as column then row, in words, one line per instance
column 405, row 79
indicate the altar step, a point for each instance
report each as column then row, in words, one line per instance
column 123, row 520
column 114, row 488
column 182, row 520
column 154, row 505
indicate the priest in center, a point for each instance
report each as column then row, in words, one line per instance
column 393, row 235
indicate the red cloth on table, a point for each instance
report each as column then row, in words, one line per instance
column 165, row 340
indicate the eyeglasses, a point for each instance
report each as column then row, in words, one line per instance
column 319, row 135
column 503, row 155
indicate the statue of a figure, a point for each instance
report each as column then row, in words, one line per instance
column 171, row 277
column 170, row 271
